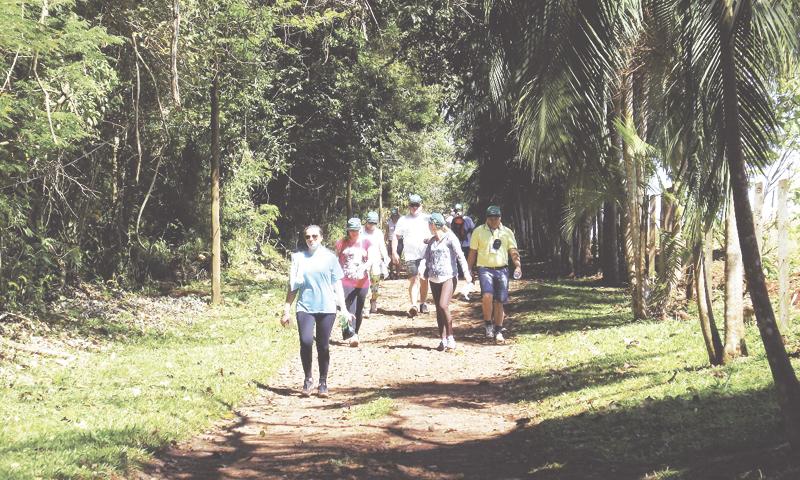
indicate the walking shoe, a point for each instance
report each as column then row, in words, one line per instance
column 441, row 346
column 322, row 390
column 373, row 306
column 489, row 330
column 423, row 308
column 498, row 336
column 451, row 343
column 307, row 384
column 354, row 340
column 365, row 313
column 412, row 312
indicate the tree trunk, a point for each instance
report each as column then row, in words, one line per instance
column 787, row 386
column 349, row 199
column 585, row 245
column 380, row 192
column 652, row 237
column 216, row 233
column 707, row 324
column 608, row 254
column 633, row 215
column 734, row 277
column 176, row 28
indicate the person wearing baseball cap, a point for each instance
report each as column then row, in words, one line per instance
column 442, row 254
column 354, row 256
column 491, row 246
column 380, row 265
column 462, row 226
column 413, row 229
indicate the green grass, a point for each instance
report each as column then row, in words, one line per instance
column 374, row 409
column 107, row 411
column 605, row 390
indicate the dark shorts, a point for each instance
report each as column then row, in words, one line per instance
column 494, row 281
column 412, row 267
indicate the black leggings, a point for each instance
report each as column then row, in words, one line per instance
column 305, row 325
column 354, row 299
column 442, row 293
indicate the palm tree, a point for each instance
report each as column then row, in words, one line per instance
column 565, row 59
column 748, row 121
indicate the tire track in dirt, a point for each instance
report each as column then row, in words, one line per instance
column 453, row 415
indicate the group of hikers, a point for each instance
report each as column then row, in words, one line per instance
column 435, row 250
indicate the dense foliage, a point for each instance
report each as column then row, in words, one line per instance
column 105, row 137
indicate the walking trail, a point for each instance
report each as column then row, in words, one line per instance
column 452, row 417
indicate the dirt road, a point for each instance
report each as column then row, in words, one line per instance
column 450, row 415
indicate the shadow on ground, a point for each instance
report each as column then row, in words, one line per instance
column 624, row 443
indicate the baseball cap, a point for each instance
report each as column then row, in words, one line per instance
column 493, row 211
column 436, row 219
column 354, row 224
column 372, row 217
column 414, row 198
column 458, row 207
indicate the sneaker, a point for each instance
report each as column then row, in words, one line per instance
column 373, row 306
column 412, row 312
column 441, row 346
column 365, row 313
column 354, row 340
column 322, row 390
column 489, row 330
column 423, row 308
column 498, row 337
column 307, row 383
column 451, row 343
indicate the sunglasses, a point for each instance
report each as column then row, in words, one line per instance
column 413, row 205
column 314, row 236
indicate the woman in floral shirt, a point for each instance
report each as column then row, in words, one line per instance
column 442, row 257
column 354, row 256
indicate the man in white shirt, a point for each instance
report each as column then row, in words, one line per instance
column 413, row 229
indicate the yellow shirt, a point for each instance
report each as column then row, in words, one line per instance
column 482, row 240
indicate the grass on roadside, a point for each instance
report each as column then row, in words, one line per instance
column 606, row 390
column 105, row 412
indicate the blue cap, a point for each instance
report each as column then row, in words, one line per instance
column 354, row 224
column 493, row 211
column 436, row 219
column 414, row 198
column 458, row 207
column 372, row 217
column 395, row 211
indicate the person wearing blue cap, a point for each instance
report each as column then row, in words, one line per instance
column 354, row 257
column 315, row 279
column 462, row 226
column 491, row 246
column 442, row 255
column 380, row 265
column 413, row 229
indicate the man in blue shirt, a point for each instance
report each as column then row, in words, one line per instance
column 462, row 225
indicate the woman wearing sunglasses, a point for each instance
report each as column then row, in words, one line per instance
column 315, row 278
column 442, row 256
column 355, row 258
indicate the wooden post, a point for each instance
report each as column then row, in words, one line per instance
column 783, row 241
column 758, row 207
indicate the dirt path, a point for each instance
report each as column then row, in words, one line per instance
column 452, row 416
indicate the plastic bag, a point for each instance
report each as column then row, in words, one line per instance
column 348, row 329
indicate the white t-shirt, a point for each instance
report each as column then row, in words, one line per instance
column 413, row 230
column 378, row 249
